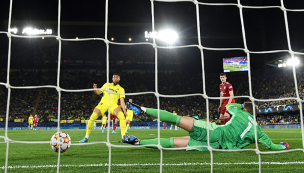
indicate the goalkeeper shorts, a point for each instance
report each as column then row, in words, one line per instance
column 198, row 136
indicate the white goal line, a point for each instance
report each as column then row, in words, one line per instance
column 153, row 164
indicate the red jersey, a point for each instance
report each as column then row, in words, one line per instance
column 225, row 88
column 36, row 119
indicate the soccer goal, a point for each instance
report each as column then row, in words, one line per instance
column 185, row 165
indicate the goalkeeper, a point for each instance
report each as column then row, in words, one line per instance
column 236, row 134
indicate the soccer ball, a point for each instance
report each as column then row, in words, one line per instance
column 61, row 139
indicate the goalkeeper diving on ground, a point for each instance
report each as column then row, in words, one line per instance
column 236, row 134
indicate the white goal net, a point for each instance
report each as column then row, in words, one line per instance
column 156, row 47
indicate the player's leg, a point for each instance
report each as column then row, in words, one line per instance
column 171, row 126
column 96, row 113
column 115, row 125
column 164, row 142
column 222, row 117
column 120, row 115
column 128, row 124
column 186, row 123
column 175, row 127
column 104, row 123
column 164, row 125
column 226, row 116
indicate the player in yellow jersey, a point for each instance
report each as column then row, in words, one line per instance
column 129, row 118
column 174, row 113
column 104, row 122
column 104, row 105
column 30, row 121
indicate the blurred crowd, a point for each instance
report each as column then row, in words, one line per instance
column 172, row 85
column 278, row 119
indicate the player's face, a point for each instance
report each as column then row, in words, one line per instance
column 116, row 79
column 130, row 100
column 223, row 79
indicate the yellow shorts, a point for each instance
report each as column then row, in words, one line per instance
column 30, row 122
column 129, row 117
column 103, row 107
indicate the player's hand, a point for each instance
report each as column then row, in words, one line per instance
column 219, row 109
column 94, row 85
column 125, row 114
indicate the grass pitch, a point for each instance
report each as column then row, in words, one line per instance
column 95, row 158
column 234, row 67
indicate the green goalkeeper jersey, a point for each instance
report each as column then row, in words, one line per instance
column 239, row 131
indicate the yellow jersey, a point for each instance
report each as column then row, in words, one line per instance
column 31, row 119
column 174, row 113
column 114, row 97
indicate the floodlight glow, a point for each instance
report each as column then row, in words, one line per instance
column 31, row 31
column 130, row 39
column 167, row 36
column 112, row 39
column 294, row 61
column 284, row 65
column 147, row 39
column 13, row 30
column 76, row 38
column 280, row 65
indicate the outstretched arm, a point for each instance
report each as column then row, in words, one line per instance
column 98, row 92
column 267, row 143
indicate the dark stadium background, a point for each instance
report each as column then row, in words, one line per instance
column 220, row 28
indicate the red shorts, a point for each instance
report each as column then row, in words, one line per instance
column 35, row 123
column 112, row 117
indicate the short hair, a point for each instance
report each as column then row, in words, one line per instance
column 223, row 74
column 248, row 106
column 116, row 74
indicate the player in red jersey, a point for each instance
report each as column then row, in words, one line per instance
column 226, row 90
column 36, row 119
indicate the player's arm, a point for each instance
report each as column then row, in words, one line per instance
column 267, row 143
column 123, row 105
column 230, row 89
column 221, row 102
column 231, row 95
column 98, row 92
column 122, row 101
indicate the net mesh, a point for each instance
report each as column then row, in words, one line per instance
column 156, row 93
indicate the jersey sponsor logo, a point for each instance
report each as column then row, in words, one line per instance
column 114, row 91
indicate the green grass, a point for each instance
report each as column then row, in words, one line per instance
column 234, row 67
column 42, row 154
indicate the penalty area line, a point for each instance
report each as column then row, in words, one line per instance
column 152, row 164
